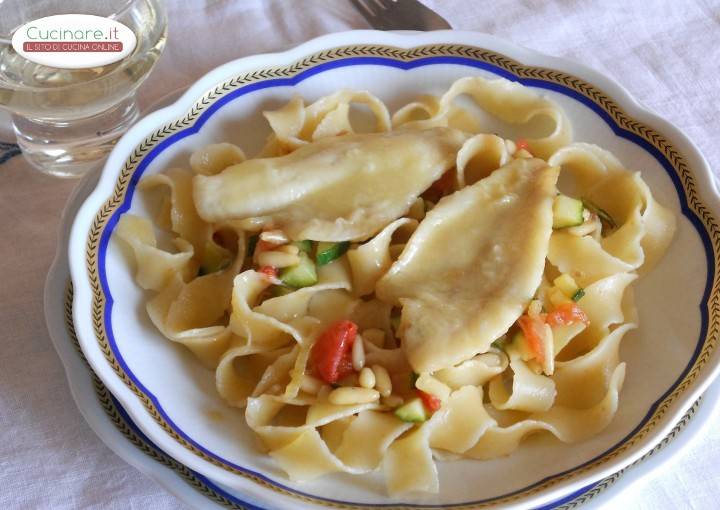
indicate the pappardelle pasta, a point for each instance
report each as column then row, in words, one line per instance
column 424, row 291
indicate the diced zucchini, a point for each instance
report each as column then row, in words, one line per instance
column 303, row 274
column 327, row 252
column 567, row 212
column 557, row 297
column 566, row 284
column 520, row 345
column 216, row 258
column 412, row 412
column 604, row 216
column 305, row 245
column 251, row 244
column 578, row 295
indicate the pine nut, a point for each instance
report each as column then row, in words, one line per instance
column 367, row 378
column 511, row 147
column 352, row 395
column 393, row 401
column 274, row 237
column 277, row 259
column 382, row 380
column 374, row 336
column 494, row 358
column 289, row 248
column 358, row 354
column 523, row 154
column 535, row 308
column 310, row 385
column 417, row 209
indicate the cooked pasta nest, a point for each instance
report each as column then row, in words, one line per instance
column 426, row 290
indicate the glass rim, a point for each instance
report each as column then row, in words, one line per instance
column 124, row 63
column 6, row 38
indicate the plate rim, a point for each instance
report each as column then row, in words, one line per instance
column 618, row 94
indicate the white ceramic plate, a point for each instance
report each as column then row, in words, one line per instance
column 114, row 427
column 671, row 360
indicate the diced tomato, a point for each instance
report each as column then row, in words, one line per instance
column 522, row 143
column 269, row 271
column 331, row 357
column 567, row 313
column 533, row 329
column 431, row 402
column 441, row 187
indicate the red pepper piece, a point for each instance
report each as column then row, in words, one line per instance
column 533, row 329
column 431, row 402
column 567, row 313
column 331, row 356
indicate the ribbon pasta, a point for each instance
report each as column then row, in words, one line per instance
column 439, row 242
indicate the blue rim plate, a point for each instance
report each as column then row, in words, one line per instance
column 171, row 131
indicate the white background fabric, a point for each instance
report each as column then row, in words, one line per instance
column 666, row 53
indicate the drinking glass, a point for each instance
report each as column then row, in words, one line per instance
column 67, row 120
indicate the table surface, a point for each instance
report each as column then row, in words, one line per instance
column 665, row 53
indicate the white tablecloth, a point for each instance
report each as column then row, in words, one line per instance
column 665, row 52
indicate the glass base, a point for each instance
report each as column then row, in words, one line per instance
column 75, row 147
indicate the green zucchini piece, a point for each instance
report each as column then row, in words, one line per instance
column 566, row 284
column 567, row 212
column 216, row 258
column 578, row 295
column 303, row 274
column 327, row 252
column 305, row 245
column 604, row 216
column 412, row 412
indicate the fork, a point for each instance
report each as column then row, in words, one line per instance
column 400, row 15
